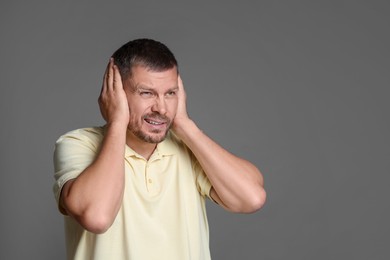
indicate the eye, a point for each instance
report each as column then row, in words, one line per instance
column 145, row 93
column 171, row 93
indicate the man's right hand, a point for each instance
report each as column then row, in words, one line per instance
column 112, row 100
column 95, row 196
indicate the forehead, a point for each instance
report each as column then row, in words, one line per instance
column 144, row 77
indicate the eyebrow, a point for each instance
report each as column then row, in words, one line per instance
column 173, row 89
column 141, row 87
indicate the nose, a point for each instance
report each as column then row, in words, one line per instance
column 159, row 106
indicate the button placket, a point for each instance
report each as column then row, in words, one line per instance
column 150, row 179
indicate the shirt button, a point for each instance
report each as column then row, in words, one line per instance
column 150, row 180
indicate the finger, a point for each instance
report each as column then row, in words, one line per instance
column 106, row 71
column 180, row 82
column 105, row 77
column 110, row 75
column 117, row 78
column 181, row 87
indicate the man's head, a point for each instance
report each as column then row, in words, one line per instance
column 149, row 75
column 147, row 53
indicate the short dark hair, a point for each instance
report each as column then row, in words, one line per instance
column 148, row 53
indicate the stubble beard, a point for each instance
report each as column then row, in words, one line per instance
column 154, row 139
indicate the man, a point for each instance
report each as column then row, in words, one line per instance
column 136, row 187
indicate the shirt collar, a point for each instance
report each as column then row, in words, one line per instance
column 164, row 148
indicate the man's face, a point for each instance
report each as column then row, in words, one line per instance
column 152, row 98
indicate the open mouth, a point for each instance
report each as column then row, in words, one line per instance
column 154, row 122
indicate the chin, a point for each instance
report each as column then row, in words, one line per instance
column 153, row 138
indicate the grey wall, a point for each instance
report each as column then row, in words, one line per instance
column 300, row 88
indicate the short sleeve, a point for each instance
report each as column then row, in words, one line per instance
column 74, row 152
column 203, row 183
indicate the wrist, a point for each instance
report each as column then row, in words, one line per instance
column 117, row 126
column 186, row 129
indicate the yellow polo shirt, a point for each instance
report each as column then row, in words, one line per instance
column 163, row 214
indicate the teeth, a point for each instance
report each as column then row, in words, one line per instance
column 153, row 122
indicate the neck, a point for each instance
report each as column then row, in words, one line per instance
column 141, row 147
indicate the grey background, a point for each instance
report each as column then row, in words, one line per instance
column 300, row 88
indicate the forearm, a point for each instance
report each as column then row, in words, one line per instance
column 94, row 197
column 237, row 183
